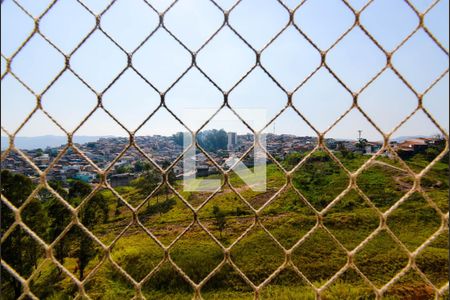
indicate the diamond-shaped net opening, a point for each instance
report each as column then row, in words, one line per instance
column 108, row 218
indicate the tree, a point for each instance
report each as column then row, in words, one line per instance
column 431, row 153
column 213, row 140
column 435, row 149
column 124, row 169
column 57, row 215
column 78, row 190
column 171, row 178
column 18, row 250
column 292, row 159
column 93, row 212
column 139, row 166
column 361, row 144
column 39, row 152
column 16, row 189
column 344, row 151
column 178, row 138
column 220, row 221
column 91, row 145
column 148, row 181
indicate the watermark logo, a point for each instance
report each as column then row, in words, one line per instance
column 198, row 171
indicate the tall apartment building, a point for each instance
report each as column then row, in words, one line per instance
column 232, row 140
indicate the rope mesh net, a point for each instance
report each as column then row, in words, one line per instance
column 49, row 248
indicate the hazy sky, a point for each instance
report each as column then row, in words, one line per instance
column 290, row 59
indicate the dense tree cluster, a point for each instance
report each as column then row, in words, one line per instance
column 47, row 217
column 152, row 178
column 210, row 140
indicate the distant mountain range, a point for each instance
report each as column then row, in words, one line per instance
column 29, row 143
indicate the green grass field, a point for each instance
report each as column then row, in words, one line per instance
column 288, row 219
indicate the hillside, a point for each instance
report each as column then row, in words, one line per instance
column 288, row 218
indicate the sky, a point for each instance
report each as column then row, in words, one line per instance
column 290, row 59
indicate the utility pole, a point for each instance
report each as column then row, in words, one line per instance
column 360, row 134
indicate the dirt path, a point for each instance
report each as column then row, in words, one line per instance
column 399, row 180
column 388, row 166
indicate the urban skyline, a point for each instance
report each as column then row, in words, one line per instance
column 226, row 59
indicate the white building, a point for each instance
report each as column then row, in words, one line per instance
column 232, row 140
